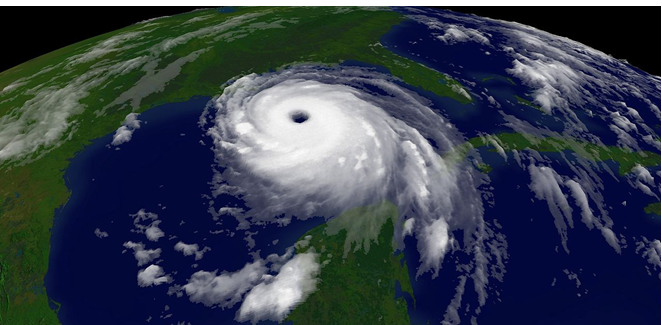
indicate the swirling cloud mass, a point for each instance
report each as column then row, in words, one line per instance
column 316, row 141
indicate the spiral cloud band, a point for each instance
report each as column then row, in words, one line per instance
column 312, row 141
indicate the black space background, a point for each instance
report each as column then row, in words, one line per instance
column 631, row 33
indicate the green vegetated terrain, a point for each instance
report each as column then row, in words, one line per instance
column 484, row 168
column 527, row 102
column 653, row 208
column 357, row 282
column 516, row 141
column 32, row 187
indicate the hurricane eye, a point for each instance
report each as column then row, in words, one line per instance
column 299, row 116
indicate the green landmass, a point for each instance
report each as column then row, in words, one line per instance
column 527, row 102
column 359, row 271
column 313, row 35
column 484, row 168
column 653, row 208
column 626, row 159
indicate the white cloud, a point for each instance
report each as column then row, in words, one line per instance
column 277, row 261
column 492, row 101
column 191, row 249
column 650, row 250
column 277, row 296
column 46, row 120
column 235, row 212
column 458, row 89
column 623, row 122
column 125, row 132
column 624, row 139
column 550, row 78
column 653, row 252
column 452, row 316
column 643, row 174
column 142, row 255
column 110, row 45
column 587, row 216
column 566, row 77
column 225, row 289
column 100, row 234
column 131, row 120
column 645, row 189
column 122, row 135
column 611, row 239
column 409, row 226
column 153, row 232
column 433, row 244
column 205, row 32
column 545, row 184
column 143, row 215
column 14, row 85
column 147, row 223
column 652, row 141
column 582, row 201
column 497, row 145
column 198, row 18
column 572, row 276
column 152, row 275
column 453, row 33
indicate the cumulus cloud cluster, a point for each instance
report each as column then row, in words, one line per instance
column 276, row 296
column 650, row 250
column 153, row 275
column 147, row 223
column 644, row 181
column 191, row 249
column 125, row 132
column 266, row 289
column 263, row 296
column 453, row 33
column 100, row 234
column 142, row 255
column 564, row 76
column 225, row 289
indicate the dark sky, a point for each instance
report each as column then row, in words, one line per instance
column 613, row 30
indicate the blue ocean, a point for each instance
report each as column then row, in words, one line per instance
column 165, row 170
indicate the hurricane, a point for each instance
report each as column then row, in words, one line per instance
column 316, row 141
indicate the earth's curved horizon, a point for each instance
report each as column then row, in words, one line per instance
column 329, row 165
